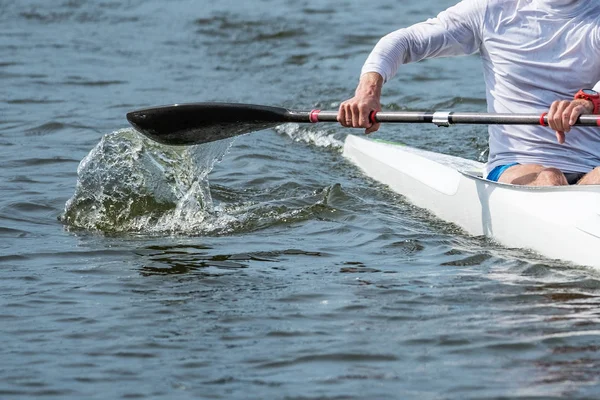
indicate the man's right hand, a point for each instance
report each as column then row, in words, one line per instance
column 355, row 112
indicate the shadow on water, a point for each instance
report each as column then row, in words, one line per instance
column 185, row 259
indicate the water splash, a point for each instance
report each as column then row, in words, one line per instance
column 128, row 183
column 316, row 137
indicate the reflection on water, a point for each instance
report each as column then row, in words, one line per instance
column 184, row 259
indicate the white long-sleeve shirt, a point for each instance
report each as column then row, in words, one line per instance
column 533, row 51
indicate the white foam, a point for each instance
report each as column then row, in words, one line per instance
column 311, row 135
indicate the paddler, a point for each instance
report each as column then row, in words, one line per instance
column 538, row 56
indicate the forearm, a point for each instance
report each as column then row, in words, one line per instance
column 455, row 31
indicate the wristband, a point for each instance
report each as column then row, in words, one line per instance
column 591, row 95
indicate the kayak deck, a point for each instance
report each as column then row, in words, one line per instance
column 557, row 222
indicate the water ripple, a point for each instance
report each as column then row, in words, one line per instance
column 268, row 266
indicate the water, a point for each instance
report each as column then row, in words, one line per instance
column 267, row 266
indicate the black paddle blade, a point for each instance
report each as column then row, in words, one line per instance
column 197, row 123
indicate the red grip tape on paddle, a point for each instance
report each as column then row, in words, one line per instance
column 372, row 117
column 542, row 123
column 314, row 116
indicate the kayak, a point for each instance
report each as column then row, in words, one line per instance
column 559, row 222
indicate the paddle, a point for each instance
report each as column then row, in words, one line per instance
column 197, row 123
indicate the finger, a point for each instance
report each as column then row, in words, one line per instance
column 372, row 128
column 551, row 114
column 343, row 115
column 560, row 137
column 559, row 120
column 349, row 117
column 364, row 117
column 566, row 117
column 575, row 113
column 355, row 116
column 557, row 117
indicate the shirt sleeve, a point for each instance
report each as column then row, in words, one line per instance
column 455, row 31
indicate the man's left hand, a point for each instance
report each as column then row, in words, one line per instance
column 564, row 113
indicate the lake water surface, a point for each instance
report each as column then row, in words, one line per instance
column 265, row 267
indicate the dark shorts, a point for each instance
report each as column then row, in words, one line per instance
column 494, row 174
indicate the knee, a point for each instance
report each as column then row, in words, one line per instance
column 594, row 174
column 591, row 178
column 551, row 177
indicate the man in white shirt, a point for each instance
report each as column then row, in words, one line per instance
column 538, row 56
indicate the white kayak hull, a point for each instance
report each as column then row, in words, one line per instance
column 557, row 222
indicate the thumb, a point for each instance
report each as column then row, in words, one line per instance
column 372, row 128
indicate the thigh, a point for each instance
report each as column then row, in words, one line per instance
column 591, row 178
column 522, row 174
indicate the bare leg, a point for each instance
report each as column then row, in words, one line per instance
column 534, row 175
column 591, row 178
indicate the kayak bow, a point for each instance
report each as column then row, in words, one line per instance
column 561, row 222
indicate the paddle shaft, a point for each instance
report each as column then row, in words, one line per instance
column 442, row 118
